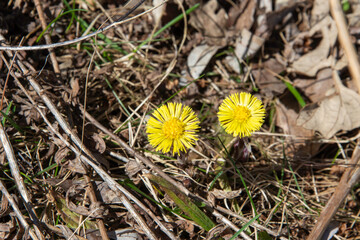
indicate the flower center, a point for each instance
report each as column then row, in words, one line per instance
column 173, row 129
column 241, row 114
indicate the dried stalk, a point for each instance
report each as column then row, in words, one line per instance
column 345, row 41
column 17, row 211
column 76, row 40
column 347, row 181
column 15, row 172
column 89, row 160
column 112, row 184
column 351, row 175
column 40, row 11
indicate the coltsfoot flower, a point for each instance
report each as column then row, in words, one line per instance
column 241, row 114
column 172, row 127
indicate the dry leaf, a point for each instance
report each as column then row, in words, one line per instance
column 76, row 193
column 286, row 119
column 244, row 15
column 245, row 47
column 310, row 63
column 210, row 19
column 132, row 168
column 158, row 13
column 223, row 194
column 265, row 78
column 315, row 89
column 320, row 10
column 337, row 112
column 247, row 44
column 99, row 143
column 199, row 58
column 298, row 146
column 75, row 87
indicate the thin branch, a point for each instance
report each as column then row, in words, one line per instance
column 121, row 191
column 40, row 11
column 76, row 40
column 347, row 181
column 17, row 211
column 15, row 172
column 351, row 175
column 345, row 41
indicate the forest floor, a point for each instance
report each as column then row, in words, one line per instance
column 69, row 175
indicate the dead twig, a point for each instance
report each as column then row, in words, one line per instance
column 15, row 169
column 254, row 224
column 345, row 41
column 76, row 40
column 40, row 11
column 351, row 174
column 85, row 158
column 17, row 211
column 348, row 179
column 18, row 179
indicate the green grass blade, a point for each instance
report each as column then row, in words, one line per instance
column 241, row 177
column 244, row 227
column 218, row 175
column 12, row 122
column 295, row 93
column 183, row 202
column 55, row 20
column 169, row 24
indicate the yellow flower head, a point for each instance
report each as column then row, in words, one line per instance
column 172, row 126
column 241, row 114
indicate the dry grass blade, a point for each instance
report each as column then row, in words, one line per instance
column 112, row 184
column 82, row 133
column 153, row 167
column 16, row 174
column 18, row 212
column 40, row 11
column 348, row 179
column 66, row 43
column 345, row 41
column 351, row 175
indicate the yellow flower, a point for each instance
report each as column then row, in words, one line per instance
column 241, row 114
column 173, row 126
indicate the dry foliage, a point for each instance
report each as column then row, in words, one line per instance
column 66, row 175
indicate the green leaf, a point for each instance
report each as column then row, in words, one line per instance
column 264, row 236
column 71, row 219
column 169, row 24
column 345, row 5
column 183, row 202
column 296, row 94
column 55, row 20
column 244, row 227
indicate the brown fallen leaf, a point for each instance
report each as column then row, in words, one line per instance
column 340, row 111
column 265, row 78
column 199, row 58
column 249, row 42
column 298, row 146
column 320, row 10
column 310, row 63
column 224, row 194
column 315, row 89
column 75, row 194
column 246, row 46
column 71, row 219
column 158, row 13
column 210, row 19
column 243, row 16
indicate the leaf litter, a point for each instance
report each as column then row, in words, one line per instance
column 230, row 46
